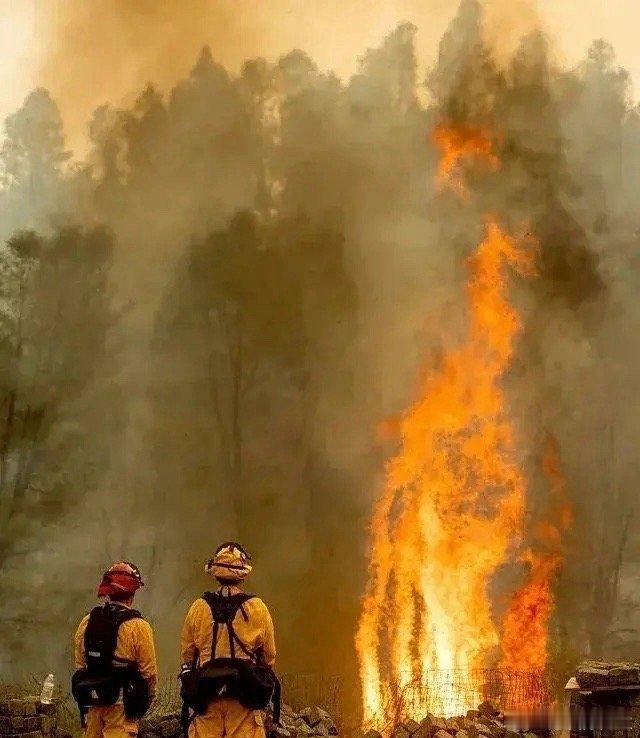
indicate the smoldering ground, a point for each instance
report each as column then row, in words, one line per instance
column 275, row 267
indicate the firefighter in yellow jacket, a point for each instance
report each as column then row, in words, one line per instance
column 251, row 636
column 134, row 649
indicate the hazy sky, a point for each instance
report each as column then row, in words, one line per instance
column 89, row 51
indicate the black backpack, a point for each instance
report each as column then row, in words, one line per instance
column 106, row 677
column 242, row 676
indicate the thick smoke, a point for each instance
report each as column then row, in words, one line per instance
column 280, row 269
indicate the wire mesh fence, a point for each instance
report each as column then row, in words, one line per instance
column 448, row 691
column 452, row 692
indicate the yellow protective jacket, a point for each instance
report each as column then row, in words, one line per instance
column 256, row 633
column 135, row 643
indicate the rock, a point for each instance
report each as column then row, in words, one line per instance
column 400, row 732
column 21, row 708
column 437, row 723
column 410, row 726
column 151, row 724
column 472, row 714
column 488, row 709
column 372, row 734
column 5, row 725
column 424, row 729
column 488, row 721
column 46, row 708
column 307, row 714
column 169, row 728
column 32, row 734
column 442, row 734
column 46, row 723
column 279, row 730
column 462, row 733
column 595, row 674
column 302, row 726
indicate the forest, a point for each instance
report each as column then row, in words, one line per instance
column 208, row 318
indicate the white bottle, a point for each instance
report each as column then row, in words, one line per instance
column 47, row 691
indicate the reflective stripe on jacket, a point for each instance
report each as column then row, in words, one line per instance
column 135, row 643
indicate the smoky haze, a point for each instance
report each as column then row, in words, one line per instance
column 244, row 277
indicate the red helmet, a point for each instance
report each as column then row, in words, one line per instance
column 122, row 579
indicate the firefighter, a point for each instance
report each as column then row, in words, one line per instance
column 115, row 659
column 239, row 627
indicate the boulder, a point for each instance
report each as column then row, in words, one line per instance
column 411, row 726
column 372, row 734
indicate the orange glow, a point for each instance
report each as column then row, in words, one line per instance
column 458, row 143
column 525, row 630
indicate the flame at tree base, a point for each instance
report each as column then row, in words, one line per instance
column 451, row 510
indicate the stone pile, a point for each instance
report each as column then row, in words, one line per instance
column 312, row 721
column 599, row 674
column 485, row 722
column 28, row 718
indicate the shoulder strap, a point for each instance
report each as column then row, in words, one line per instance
column 223, row 612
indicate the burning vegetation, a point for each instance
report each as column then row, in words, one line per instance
column 453, row 510
column 205, row 314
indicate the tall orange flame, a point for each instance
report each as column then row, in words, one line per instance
column 453, row 503
column 525, row 629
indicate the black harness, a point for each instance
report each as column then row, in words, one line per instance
column 223, row 611
column 241, row 676
column 106, row 676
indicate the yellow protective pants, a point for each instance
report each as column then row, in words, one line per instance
column 109, row 722
column 225, row 717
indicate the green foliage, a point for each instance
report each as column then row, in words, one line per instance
column 56, row 313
